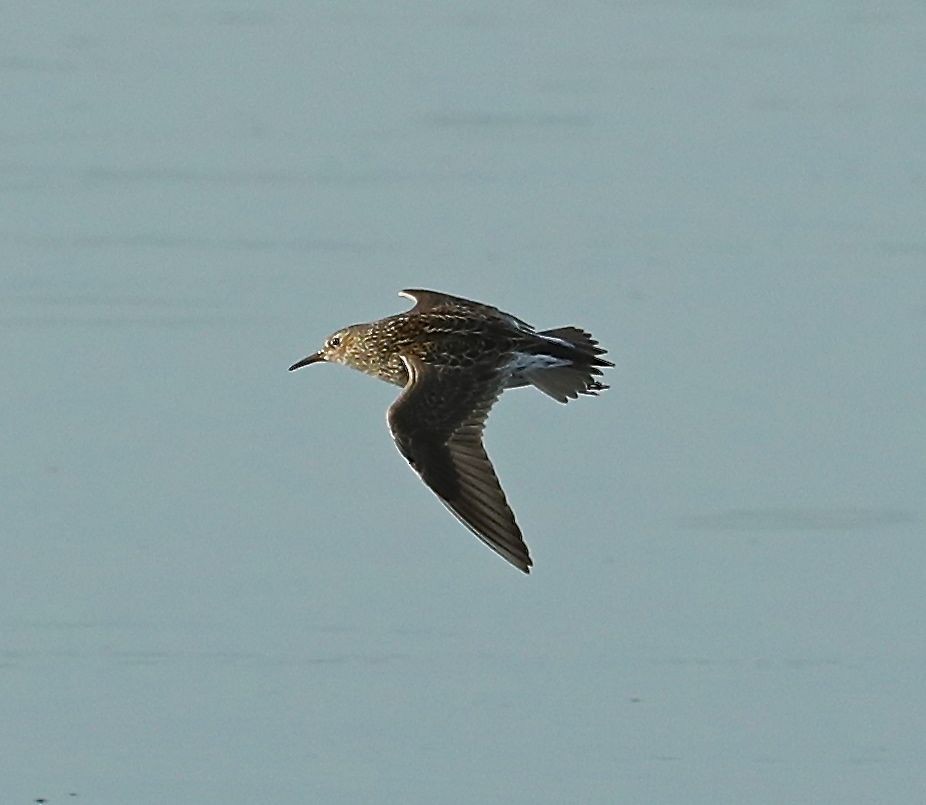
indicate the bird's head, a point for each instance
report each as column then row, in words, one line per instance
column 336, row 349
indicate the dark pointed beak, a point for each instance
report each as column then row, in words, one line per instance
column 315, row 357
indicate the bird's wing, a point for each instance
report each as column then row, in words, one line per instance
column 437, row 423
column 434, row 302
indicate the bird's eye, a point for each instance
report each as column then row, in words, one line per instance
column 334, row 341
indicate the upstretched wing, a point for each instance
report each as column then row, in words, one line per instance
column 434, row 302
column 437, row 423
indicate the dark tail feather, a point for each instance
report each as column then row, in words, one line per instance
column 564, row 383
column 581, row 341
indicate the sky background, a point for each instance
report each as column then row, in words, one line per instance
column 219, row 581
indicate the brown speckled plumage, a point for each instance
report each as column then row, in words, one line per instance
column 453, row 358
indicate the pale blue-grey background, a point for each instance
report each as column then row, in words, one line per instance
column 219, row 583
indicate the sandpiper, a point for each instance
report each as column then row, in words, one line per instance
column 454, row 358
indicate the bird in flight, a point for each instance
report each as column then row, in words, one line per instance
column 453, row 358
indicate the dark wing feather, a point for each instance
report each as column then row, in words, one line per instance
column 435, row 302
column 437, row 423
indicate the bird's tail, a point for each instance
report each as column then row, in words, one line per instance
column 567, row 381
